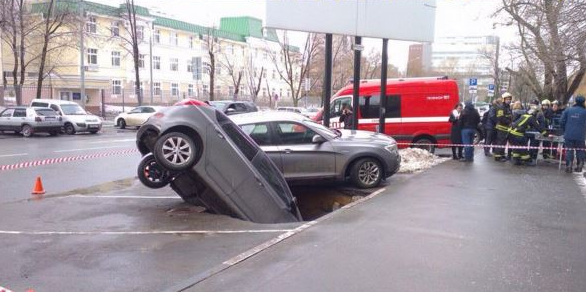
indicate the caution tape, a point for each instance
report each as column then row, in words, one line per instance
column 488, row 146
column 64, row 159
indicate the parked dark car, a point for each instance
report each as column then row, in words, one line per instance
column 27, row 121
column 209, row 160
column 233, row 107
column 306, row 151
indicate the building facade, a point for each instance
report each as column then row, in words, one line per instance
column 419, row 60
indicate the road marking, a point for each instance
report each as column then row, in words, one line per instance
column 16, row 232
column 122, row 197
column 65, row 159
column 112, row 141
column 12, row 155
column 83, row 149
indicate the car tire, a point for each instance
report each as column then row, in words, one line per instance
column 26, row 131
column 429, row 148
column 176, row 151
column 121, row 123
column 93, row 132
column 69, row 129
column 151, row 174
column 366, row 173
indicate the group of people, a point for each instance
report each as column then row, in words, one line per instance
column 505, row 123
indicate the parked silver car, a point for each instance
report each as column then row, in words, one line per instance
column 306, row 151
column 28, row 121
column 208, row 160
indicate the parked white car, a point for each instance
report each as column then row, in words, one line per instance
column 75, row 118
column 136, row 117
column 28, row 121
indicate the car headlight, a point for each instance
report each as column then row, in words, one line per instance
column 391, row 148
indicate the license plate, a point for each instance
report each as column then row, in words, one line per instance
column 93, row 126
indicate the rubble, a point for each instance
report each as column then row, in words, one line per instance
column 415, row 159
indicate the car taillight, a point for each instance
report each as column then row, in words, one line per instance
column 158, row 115
column 38, row 119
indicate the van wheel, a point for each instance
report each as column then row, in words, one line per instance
column 366, row 173
column 151, row 174
column 26, row 131
column 69, row 129
column 176, row 151
column 425, row 144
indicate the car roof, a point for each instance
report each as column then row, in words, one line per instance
column 55, row 101
column 267, row 116
column 17, row 107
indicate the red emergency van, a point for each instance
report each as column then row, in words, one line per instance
column 417, row 109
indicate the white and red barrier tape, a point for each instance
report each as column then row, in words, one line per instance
column 65, row 159
column 488, row 146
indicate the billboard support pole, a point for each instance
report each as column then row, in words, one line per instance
column 327, row 89
column 383, row 87
column 355, row 100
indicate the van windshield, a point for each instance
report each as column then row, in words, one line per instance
column 72, row 109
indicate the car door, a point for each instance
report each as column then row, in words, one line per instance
column 301, row 158
column 6, row 119
column 132, row 119
column 18, row 118
column 261, row 134
column 144, row 114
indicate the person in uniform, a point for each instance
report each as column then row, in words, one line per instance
column 503, row 117
column 518, row 136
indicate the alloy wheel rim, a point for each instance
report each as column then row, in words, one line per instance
column 26, row 131
column 368, row 173
column 153, row 173
column 176, row 150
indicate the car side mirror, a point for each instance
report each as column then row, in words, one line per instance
column 317, row 139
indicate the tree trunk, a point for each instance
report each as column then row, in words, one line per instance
column 41, row 71
column 212, row 72
column 237, row 86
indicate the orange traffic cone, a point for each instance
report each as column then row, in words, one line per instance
column 38, row 189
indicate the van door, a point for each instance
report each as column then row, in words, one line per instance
column 393, row 118
column 336, row 110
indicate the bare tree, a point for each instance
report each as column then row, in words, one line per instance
column 235, row 72
column 295, row 66
column 552, row 38
column 132, row 38
column 253, row 79
column 212, row 47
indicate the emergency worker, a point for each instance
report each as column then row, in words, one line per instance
column 503, row 121
column 518, row 137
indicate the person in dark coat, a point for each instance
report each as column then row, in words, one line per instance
column 469, row 120
column 489, row 128
column 456, row 133
column 347, row 116
column 573, row 123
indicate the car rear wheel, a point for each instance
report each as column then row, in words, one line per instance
column 151, row 174
column 425, row 144
column 366, row 173
column 69, row 129
column 176, row 151
column 26, row 131
column 122, row 123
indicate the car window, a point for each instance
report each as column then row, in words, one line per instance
column 73, row 109
column 45, row 112
column 7, row 113
column 39, row 104
column 258, row 132
column 55, row 108
column 148, row 110
column 135, row 111
column 19, row 113
column 370, row 106
column 336, row 106
column 246, row 145
column 293, row 133
column 240, row 107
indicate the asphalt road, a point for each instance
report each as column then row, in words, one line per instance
column 17, row 184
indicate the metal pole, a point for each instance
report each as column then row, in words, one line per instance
column 151, row 60
column 327, row 90
column 356, row 87
column 82, row 53
column 383, row 87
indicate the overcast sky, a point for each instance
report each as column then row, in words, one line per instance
column 453, row 18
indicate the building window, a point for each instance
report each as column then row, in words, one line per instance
column 191, row 42
column 218, row 91
column 157, row 88
column 173, row 39
column 274, row 74
column 206, row 89
column 141, row 61
column 91, row 26
column 231, row 90
column 218, row 69
column 116, row 59
column 264, row 92
column 190, row 65
column 174, row 64
column 140, row 33
column 174, row 89
column 115, row 29
column 190, row 90
column 156, row 62
column 264, row 74
column 198, row 68
column 92, row 56
column 265, row 55
column 116, row 87
column 157, row 36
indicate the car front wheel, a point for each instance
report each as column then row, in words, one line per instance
column 69, row 129
column 176, row 151
column 121, row 123
column 151, row 174
column 366, row 173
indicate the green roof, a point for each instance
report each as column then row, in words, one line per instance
column 248, row 27
column 197, row 29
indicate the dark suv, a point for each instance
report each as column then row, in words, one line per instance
column 210, row 161
column 230, row 107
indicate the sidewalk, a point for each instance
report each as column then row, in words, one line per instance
column 484, row 226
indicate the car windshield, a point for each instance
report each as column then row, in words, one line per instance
column 322, row 130
column 72, row 109
column 46, row 112
column 218, row 105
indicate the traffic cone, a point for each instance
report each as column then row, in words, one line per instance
column 38, row 189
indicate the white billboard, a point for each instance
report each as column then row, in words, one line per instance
column 408, row 20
